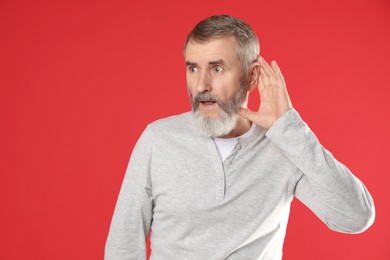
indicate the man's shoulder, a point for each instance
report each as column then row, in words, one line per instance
column 181, row 122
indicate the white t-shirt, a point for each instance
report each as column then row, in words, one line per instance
column 226, row 145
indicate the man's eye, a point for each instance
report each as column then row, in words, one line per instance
column 218, row 69
column 193, row 69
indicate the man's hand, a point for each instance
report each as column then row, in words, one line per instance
column 274, row 99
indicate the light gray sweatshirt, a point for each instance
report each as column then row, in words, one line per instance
column 199, row 207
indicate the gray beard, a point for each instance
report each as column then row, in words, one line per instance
column 227, row 119
column 214, row 127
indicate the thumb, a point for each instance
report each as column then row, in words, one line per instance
column 247, row 114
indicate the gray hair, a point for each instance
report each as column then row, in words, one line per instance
column 225, row 25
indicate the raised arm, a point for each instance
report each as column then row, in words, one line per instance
column 326, row 186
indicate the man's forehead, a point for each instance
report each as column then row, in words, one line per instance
column 221, row 48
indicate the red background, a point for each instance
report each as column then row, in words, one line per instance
column 80, row 80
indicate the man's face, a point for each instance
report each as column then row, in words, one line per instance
column 213, row 73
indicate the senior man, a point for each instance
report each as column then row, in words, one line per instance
column 217, row 182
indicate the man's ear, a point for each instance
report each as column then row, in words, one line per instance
column 254, row 74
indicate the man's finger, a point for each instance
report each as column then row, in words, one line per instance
column 276, row 68
column 263, row 75
column 268, row 70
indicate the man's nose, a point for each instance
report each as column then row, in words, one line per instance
column 204, row 82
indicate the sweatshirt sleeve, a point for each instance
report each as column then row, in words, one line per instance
column 134, row 208
column 325, row 185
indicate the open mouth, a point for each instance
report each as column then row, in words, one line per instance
column 207, row 102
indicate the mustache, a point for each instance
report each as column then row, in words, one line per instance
column 206, row 97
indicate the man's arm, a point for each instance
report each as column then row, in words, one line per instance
column 134, row 209
column 326, row 186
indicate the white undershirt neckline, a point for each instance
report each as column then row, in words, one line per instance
column 226, row 145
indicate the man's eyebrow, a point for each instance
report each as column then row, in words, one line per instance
column 215, row 62
column 189, row 63
column 220, row 62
